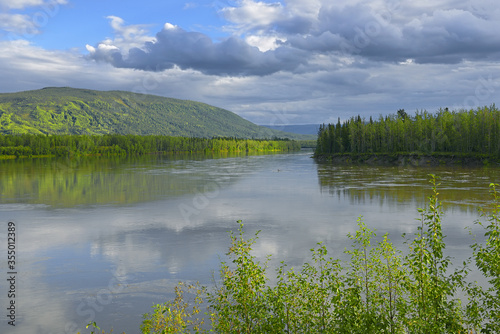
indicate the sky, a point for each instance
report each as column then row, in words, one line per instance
column 271, row 62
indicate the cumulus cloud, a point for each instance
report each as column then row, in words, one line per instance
column 451, row 36
column 271, row 37
column 128, row 36
column 251, row 14
column 260, row 16
column 338, row 87
column 175, row 47
column 448, row 32
column 443, row 36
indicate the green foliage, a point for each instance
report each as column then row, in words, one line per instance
column 305, row 301
column 373, row 301
column 486, row 302
column 467, row 132
column 177, row 316
column 308, row 143
column 379, row 290
column 431, row 302
column 77, row 145
column 94, row 329
column 239, row 303
column 88, row 112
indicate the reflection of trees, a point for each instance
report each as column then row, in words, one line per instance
column 89, row 181
column 459, row 187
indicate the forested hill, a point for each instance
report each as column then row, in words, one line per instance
column 82, row 111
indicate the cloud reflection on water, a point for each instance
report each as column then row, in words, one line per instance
column 71, row 253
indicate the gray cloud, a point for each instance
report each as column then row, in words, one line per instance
column 384, row 33
column 295, row 25
column 451, row 36
column 441, row 36
column 174, row 46
column 333, row 90
column 423, row 55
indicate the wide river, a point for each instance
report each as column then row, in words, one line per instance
column 104, row 239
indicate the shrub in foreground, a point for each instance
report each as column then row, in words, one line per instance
column 379, row 290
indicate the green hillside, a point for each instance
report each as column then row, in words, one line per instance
column 82, row 111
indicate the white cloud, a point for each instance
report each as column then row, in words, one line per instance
column 18, row 24
column 22, row 26
column 169, row 26
column 128, row 36
column 407, row 62
column 295, row 16
column 250, row 14
column 32, row 67
column 264, row 43
column 20, row 4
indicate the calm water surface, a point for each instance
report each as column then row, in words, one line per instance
column 104, row 239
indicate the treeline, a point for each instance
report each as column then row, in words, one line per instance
column 71, row 145
column 473, row 131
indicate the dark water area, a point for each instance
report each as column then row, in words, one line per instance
column 104, row 239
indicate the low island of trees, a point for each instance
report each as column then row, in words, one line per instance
column 28, row 145
column 472, row 133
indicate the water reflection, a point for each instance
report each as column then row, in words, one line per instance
column 105, row 239
column 107, row 180
column 459, row 188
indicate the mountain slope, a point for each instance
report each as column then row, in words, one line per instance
column 82, row 111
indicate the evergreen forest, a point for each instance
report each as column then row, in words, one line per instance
column 465, row 132
column 27, row 145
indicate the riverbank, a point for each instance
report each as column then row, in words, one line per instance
column 14, row 146
column 410, row 159
column 207, row 153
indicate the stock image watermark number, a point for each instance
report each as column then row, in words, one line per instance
column 11, row 273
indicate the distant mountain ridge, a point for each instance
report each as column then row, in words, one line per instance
column 65, row 110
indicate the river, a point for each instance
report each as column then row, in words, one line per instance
column 104, row 239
